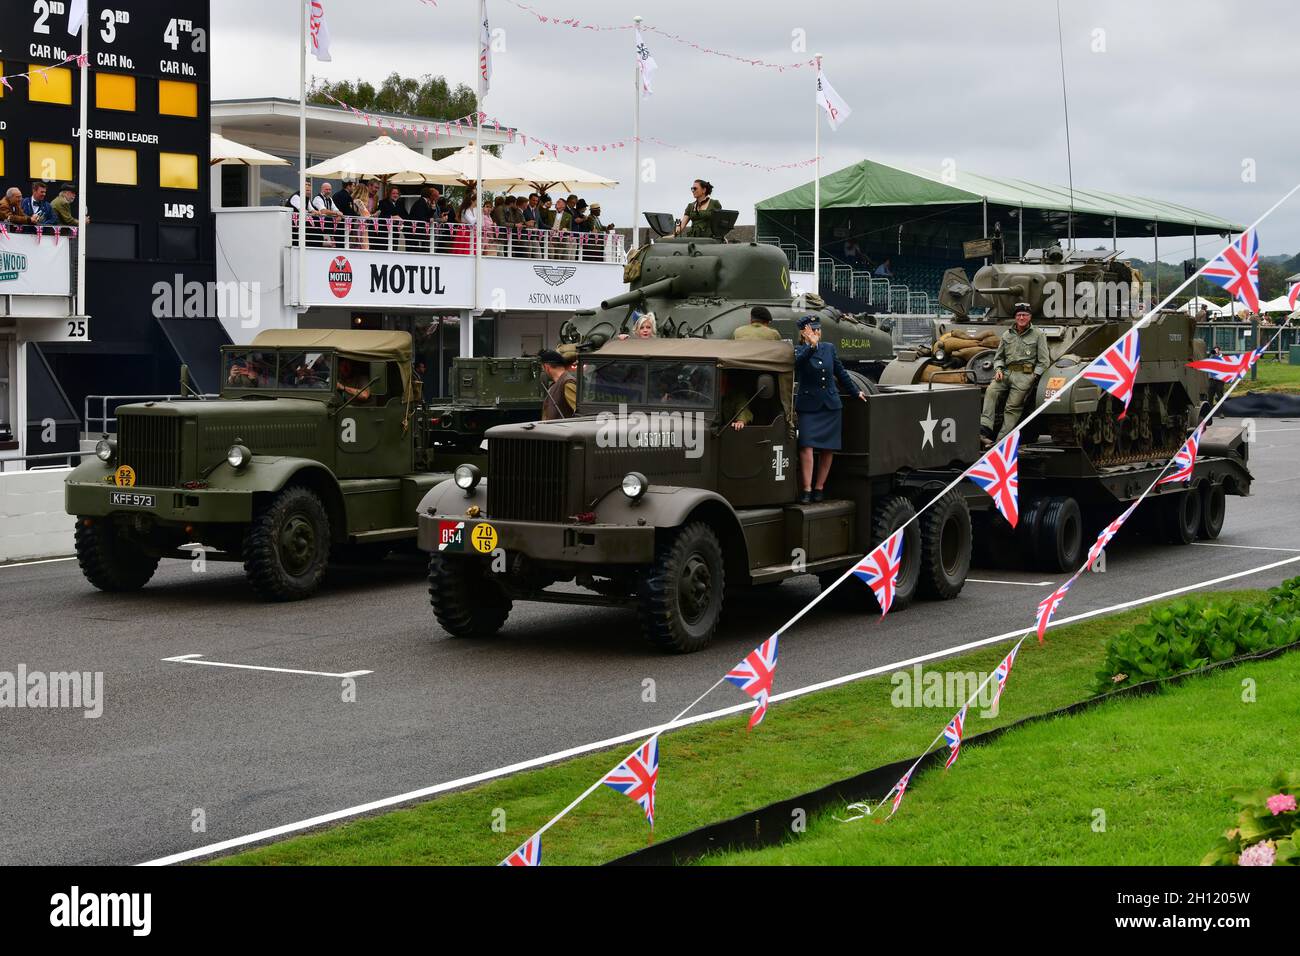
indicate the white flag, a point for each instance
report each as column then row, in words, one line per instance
column 76, row 16
column 485, row 54
column 647, row 64
column 320, row 32
column 837, row 111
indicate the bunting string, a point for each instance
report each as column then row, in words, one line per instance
column 43, row 72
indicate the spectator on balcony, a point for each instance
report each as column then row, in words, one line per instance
column 467, row 217
column 561, row 221
column 885, row 270
column 11, row 208
column 421, row 216
column 446, row 213
column 37, row 207
column 587, row 250
column 514, row 218
column 328, row 216
column 392, row 218
column 532, row 211
column 697, row 221
column 372, row 196
column 359, row 193
column 65, row 205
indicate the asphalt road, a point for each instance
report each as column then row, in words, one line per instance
column 254, row 749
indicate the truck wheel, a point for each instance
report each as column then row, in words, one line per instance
column 466, row 601
column 1214, row 508
column 945, row 547
column 680, row 597
column 110, row 562
column 1180, row 516
column 1028, row 528
column 889, row 514
column 1060, row 535
column 287, row 546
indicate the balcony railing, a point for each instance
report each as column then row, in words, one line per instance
column 408, row 235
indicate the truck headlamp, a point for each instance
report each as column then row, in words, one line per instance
column 106, row 449
column 238, row 456
column 634, row 485
column 466, row 477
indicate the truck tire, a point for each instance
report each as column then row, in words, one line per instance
column 287, row 546
column 680, row 597
column 109, row 562
column 945, row 547
column 466, row 601
column 1028, row 529
column 1214, row 508
column 1060, row 535
column 1180, row 516
column 888, row 515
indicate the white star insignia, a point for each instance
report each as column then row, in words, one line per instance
column 927, row 426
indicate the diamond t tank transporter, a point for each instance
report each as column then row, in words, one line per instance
column 316, row 447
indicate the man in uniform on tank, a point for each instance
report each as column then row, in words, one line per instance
column 817, row 369
column 1021, row 357
column 562, row 395
column 759, row 328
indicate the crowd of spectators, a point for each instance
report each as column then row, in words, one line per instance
column 37, row 210
column 367, row 215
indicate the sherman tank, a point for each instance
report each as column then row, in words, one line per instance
column 704, row 288
column 1083, row 302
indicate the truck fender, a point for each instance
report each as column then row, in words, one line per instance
column 666, row 507
column 267, row 475
column 445, row 498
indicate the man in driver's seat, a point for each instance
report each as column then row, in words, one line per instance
column 353, row 381
column 1021, row 357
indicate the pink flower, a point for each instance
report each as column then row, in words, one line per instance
column 1261, row 854
column 1280, row 803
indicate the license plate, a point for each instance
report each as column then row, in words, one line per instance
column 131, row 500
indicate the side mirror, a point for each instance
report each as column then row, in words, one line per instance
column 766, row 387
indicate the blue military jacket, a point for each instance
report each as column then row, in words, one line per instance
column 816, row 370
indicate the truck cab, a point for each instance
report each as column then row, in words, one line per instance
column 652, row 498
column 315, row 448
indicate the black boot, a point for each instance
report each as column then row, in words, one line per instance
column 805, row 497
column 818, row 495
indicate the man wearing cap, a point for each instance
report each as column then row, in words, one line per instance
column 64, row 211
column 562, row 395
column 760, row 326
column 1021, row 357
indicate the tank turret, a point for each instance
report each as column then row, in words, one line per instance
column 705, row 288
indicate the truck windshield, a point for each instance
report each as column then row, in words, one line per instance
column 306, row 370
column 271, row 369
column 682, row 384
column 249, row 368
column 613, row 383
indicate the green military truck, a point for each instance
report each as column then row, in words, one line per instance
column 315, row 449
column 651, row 500
column 486, row 392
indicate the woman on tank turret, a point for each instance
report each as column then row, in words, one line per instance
column 697, row 220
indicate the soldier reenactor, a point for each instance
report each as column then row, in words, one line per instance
column 760, row 326
column 562, row 395
column 697, row 220
column 1021, row 357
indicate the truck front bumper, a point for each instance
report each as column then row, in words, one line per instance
column 180, row 506
column 592, row 544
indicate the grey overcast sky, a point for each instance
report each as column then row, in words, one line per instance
column 1177, row 99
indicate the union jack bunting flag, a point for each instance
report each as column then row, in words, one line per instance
column 1116, row 369
column 753, row 675
column 1293, row 296
column 637, row 776
column 1185, row 460
column 998, row 473
column 880, row 570
column 1227, row 368
column 1106, row 534
column 530, row 854
column 1236, row 268
column 900, row 788
column 952, row 734
column 1003, row 671
column 1046, row 608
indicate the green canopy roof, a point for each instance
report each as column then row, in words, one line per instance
column 871, row 184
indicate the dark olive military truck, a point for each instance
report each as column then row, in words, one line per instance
column 486, row 392
column 649, row 499
column 316, row 447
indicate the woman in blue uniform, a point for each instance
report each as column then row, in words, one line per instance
column 817, row 368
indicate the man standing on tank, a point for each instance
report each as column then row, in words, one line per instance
column 759, row 327
column 1021, row 357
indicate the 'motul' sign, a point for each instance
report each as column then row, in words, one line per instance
column 352, row 277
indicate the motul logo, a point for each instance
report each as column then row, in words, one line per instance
column 340, row 277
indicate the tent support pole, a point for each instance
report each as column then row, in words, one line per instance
column 1020, row 242
column 817, row 189
column 1156, row 232
column 985, row 234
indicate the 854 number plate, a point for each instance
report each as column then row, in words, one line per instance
column 131, row 499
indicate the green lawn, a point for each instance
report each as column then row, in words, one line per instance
column 1157, row 766
column 1273, row 377
column 711, row 771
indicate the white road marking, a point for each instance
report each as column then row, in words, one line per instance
column 193, row 659
column 1243, row 547
column 24, row 564
column 1023, row 584
column 324, row 818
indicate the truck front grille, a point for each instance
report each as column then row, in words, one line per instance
column 151, row 445
column 527, row 479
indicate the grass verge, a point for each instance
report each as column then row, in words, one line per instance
column 1154, row 771
column 708, row 772
column 1274, row 376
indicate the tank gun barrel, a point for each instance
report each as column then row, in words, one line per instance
column 662, row 286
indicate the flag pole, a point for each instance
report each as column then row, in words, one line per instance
column 636, row 144
column 479, row 39
column 302, row 154
column 817, row 187
column 81, row 166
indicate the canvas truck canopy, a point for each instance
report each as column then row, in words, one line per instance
column 777, row 357
column 368, row 344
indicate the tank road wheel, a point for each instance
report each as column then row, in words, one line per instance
column 680, row 597
column 287, row 546
column 1180, row 516
column 108, row 561
column 1060, row 535
column 945, row 547
column 1214, row 508
column 466, row 601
